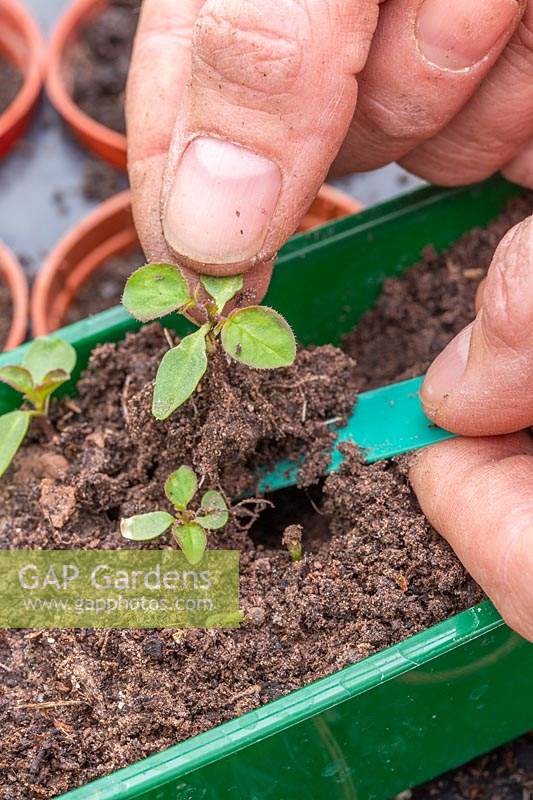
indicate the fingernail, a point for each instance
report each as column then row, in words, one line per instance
column 454, row 34
column 221, row 203
column 446, row 372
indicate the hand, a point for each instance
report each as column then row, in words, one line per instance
column 478, row 492
column 236, row 111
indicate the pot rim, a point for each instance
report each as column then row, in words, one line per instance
column 45, row 310
column 13, row 276
column 108, row 143
column 33, row 71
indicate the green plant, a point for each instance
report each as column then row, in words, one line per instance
column 292, row 539
column 256, row 335
column 47, row 364
column 188, row 526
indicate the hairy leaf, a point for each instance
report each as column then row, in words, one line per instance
column 214, row 511
column 47, row 354
column 18, row 378
column 180, row 487
column 222, row 289
column 259, row 337
column 192, row 540
column 144, row 527
column 13, row 429
column 179, row 373
column 155, row 290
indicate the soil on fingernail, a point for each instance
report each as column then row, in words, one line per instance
column 100, row 60
column 11, row 81
column 373, row 571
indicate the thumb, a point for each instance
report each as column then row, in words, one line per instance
column 482, row 383
column 269, row 102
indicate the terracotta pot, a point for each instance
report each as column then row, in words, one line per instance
column 13, row 277
column 108, row 232
column 329, row 204
column 22, row 44
column 102, row 140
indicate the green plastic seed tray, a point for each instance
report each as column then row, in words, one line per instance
column 413, row 710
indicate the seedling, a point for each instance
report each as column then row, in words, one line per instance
column 256, row 335
column 292, row 539
column 47, row 364
column 188, row 526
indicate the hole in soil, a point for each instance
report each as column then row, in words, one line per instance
column 292, row 507
column 114, row 514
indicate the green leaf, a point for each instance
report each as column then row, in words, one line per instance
column 192, row 540
column 215, row 511
column 13, row 429
column 259, row 337
column 180, row 487
column 222, row 289
column 155, row 290
column 18, row 378
column 179, row 373
column 144, row 527
column 52, row 381
column 48, row 354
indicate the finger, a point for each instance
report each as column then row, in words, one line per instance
column 520, row 169
column 426, row 60
column 268, row 105
column 482, row 383
column 478, row 300
column 478, row 493
column 160, row 69
column 492, row 127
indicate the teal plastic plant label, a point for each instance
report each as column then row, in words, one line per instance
column 118, row 589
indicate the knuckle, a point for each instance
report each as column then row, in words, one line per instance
column 519, row 51
column 507, row 313
column 447, row 162
column 514, row 565
column 520, row 619
column 400, row 122
column 244, row 46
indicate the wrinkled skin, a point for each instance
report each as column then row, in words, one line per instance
column 237, row 110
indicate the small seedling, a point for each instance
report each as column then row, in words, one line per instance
column 256, row 335
column 292, row 539
column 188, row 526
column 47, row 364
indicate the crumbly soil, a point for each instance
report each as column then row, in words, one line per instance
column 100, row 63
column 10, row 83
column 372, row 573
column 503, row 774
column 5, row 314
column 418, row 314
column 104, row 289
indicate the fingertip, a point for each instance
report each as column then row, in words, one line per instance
column 478, row 493
column 445, row 374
